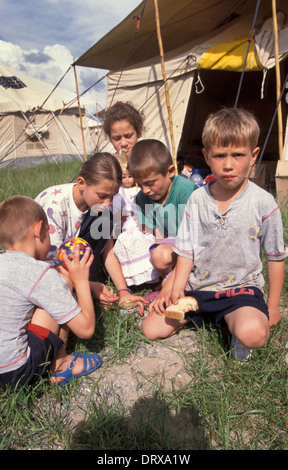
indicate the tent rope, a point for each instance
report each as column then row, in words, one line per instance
column 251, row 36
column 136, row 30
column 184, row 63
column 55, row 87
column 270, row 128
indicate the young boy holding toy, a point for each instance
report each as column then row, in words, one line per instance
column 37, row 308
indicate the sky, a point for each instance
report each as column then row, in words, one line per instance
column 43, row 38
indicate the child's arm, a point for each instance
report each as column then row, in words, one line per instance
column 276, row 271
column 182, row 272
column 114, row 269
column 163, row 299
column 173, row 288
column 83, row 324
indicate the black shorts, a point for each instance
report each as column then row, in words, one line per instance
column 44, row 346
column 215, row 305
column 97, row 244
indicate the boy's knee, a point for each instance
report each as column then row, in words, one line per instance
column 163, row 257
column 157, row 258
column 254, row 336
column 149, row 332
column 156, row 327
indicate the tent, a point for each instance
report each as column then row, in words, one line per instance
column 38, row 123
column 207, row 46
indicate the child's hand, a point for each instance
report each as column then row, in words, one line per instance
column 160, row 303
column 125, row 296
column 102, row 293
column 274, row 315
column 79, row 268
column 176, row 295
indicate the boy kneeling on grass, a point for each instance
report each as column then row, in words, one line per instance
column 226, row 225
column 37, row 308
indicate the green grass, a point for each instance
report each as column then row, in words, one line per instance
column 223, row 405
column 31, row 181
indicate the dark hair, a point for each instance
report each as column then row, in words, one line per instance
column 120, row 112
column 149, row 156
column 17, row 215
column 101, row 166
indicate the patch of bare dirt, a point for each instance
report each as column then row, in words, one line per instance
column 153, row 367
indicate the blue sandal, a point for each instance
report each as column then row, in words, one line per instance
column 88, row 367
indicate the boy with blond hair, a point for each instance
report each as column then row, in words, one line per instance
column 226, row 225
column 37, row 308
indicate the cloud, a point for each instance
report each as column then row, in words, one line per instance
column 54, row 60
column 43, row 39
column 76, row 25
column 37, row 57
column 52, row 65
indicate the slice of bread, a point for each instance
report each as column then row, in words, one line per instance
column 184, row 305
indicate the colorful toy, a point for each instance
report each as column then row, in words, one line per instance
column 69, row 246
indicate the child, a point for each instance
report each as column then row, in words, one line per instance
column 159, row 205
column 219, row 249
column 37, row 307
column 131, row 245
column 65, row 205
column 123, row 125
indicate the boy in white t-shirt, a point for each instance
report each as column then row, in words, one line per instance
column 226, row 226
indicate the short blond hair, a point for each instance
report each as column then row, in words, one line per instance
column 17, row 215
column 231, row 126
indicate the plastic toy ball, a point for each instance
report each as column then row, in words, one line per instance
column 69, row 246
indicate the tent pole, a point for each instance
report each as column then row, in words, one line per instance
column 97, row 127
column 278, row 80
column 80, row 114
column 166, row 84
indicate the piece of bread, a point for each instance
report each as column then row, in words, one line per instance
column 184, row 305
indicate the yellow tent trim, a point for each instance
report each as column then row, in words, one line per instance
column 230, row 56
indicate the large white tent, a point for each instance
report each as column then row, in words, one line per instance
column 38, row 122
column 208, row 50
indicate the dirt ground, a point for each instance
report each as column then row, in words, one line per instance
column 152, row 367
column 156, row 366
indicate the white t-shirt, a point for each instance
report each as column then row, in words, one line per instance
column 226, row 248
column 64, row 217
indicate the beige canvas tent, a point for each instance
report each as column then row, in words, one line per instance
column 205, row 48
column 37, row 123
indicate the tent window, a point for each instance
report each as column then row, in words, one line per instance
column 33, row 143
column 11, row 82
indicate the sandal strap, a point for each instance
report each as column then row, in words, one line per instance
column 66, row 374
